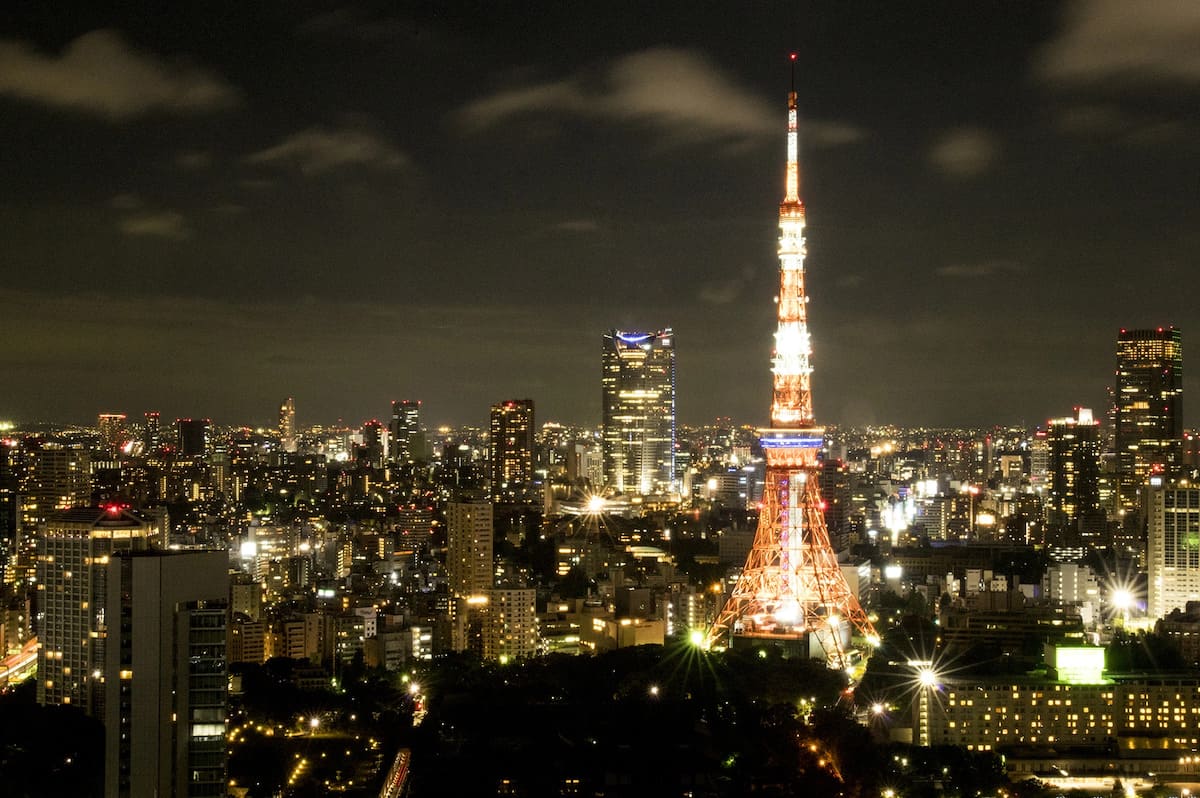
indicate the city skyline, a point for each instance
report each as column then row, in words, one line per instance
column 352, row 207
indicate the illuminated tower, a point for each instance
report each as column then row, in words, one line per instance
column 792, row 587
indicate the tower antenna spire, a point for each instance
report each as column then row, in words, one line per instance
column 792, row 58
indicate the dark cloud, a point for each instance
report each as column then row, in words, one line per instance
column 317, row 150
column 725, row 291
column 982, row 269
column 100, row 73
column 1107, row 121
column 1129, row 41
column 965, row 152
column 680, row 93
column 579, row 226
column 156, row 224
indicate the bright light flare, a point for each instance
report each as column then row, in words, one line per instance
column 1122, row 599
column 696, row 638
column 927, row 677
column 596, row 504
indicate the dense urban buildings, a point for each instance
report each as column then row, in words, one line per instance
column 638, row 401
column 253, row 607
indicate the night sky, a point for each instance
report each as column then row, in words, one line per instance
column 206, row 209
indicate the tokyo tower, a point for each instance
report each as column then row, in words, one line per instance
column 792, row 587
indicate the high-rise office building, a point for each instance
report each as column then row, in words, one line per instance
column 1173, row 545
column 469, row 547
column 10, row 509
column 510, row 460
column 287, row 425
column 1073, row 480
column 151, row 433
column 638, row 403
column 407, row 437
column 372, row 450
column 73, row 553
column 112, row 431
column 192, row 436
column 1147, row 410
column 165, row 677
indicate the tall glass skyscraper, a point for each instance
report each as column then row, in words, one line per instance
column 638, row 402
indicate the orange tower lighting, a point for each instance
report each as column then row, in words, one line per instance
column 792, row 587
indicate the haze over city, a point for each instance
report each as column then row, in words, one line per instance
column 218, row 205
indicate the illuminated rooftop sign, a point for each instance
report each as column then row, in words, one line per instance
column 1080, row 664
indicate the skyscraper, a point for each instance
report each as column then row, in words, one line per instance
column 792, row 590
column 1147, row 417
column 193, row 436
column 287, row 425
column 151, row 434
column 1073, row 480
column 112, row 431
column 407, row 437
column 165, row 678
column 510, row 456
column 1173, row 546
column 73, row 552
column 469, row 547
column 57, row 477
column 638, row 403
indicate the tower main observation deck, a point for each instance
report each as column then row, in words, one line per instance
column 792, row 587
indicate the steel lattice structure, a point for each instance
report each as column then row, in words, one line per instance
column 792, row 586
